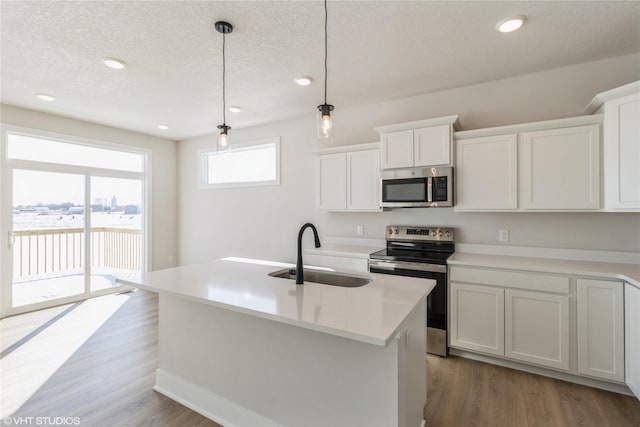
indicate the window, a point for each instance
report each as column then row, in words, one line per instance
column 39, row 149
column 249, row 164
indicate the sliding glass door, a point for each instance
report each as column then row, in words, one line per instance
column 77, row 219
column 116, row 230
column 48, row 236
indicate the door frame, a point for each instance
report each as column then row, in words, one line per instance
column 7, row 166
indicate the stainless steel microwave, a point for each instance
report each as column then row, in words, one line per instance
column 417, row 187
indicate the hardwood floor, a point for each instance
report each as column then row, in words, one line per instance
column 106, row 378
column 463, row 392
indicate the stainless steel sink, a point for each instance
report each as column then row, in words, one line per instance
column 324, row 277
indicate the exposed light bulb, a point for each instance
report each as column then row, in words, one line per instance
column 223, row 141
column 325, row 122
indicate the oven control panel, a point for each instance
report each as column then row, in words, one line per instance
column 407, row 232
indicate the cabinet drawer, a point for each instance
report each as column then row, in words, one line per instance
column 511, row 279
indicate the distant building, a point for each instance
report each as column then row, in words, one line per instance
column 114, row 202
column 131, row 210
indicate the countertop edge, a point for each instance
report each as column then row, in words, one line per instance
column 588, row 271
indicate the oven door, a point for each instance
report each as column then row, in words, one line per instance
column 436, row 301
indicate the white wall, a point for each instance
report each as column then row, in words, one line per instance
column 263, row 221
column 164, row 171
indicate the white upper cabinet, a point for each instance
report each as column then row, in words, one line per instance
column 487, row 173
column 621, row 146
column 397, row 149
column 363, row 180
column 419, row 143
column 561, row 168
column 543, row 166
column 432, row 146
column 348, row 180
column 331, row 171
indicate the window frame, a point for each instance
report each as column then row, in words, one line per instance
column 203, row 165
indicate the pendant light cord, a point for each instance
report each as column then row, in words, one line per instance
column 224, row 94
column 325, row 50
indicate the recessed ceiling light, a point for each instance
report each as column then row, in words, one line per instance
column 235, row 109
column 115, row 63
column 163, row 127
column 303, row 80
column 510, row 24
column 46, row 97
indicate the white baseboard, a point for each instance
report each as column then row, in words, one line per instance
column 207, row 403
column 603, row 385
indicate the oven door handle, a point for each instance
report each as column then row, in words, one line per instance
column 430, row 189
column 387, row 265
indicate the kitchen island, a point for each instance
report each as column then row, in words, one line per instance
column 247, row 349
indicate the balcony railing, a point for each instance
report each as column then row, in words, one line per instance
column 50, row 252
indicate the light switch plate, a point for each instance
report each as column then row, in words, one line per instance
column 503, row 235
column 360, row 230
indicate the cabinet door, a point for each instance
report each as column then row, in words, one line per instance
column 622, row 153
column 632, row 337
column 600, row 329
column 487, row 173
column 363, row 180
column 477, row 318
column 397, row 149
column 537, row 328
column 331, row 181
column 561, row 168
column 432, row 146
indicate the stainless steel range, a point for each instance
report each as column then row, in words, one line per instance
column 421, row 252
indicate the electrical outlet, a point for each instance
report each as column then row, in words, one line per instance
column 360, row 230
column 503, row 235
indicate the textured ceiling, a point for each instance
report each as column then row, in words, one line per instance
column 378, row 50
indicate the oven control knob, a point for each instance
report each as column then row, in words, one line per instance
column 447, row 234
column 440, row 234
column 391, row 231
column 433, row 234
column 397, row 231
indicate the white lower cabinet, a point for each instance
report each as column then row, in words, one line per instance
column 601, row 329
column 477, row 318
column 632, row 338
column 537, row 328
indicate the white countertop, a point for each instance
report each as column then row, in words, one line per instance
column 373, row 313
column 342, row 250
column 627, row 272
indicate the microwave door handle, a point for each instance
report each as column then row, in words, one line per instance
column 429, row 189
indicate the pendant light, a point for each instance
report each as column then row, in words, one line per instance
column 223, row 143
column 325, row 124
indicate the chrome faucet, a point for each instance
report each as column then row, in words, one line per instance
column 299, row 270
